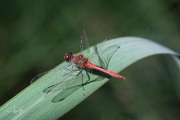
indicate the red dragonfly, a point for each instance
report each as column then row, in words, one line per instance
column 81, row 63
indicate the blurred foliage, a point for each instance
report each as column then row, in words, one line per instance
column 34, row 35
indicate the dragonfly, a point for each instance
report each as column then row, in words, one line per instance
column 82, row 63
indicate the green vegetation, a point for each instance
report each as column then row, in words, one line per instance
column 34, row 36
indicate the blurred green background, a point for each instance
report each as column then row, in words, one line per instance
column 34, row 36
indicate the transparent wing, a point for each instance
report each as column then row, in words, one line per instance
column 65, row 66
column 65, row 93
column 101, row 56
column 107, row 55
column 84, row 40
column 73, row 80
column 37, row 76
column 48, row 89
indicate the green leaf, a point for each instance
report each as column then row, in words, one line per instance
column 47, row 99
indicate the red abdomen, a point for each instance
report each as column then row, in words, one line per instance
column 113, row 74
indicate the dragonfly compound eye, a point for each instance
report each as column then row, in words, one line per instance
column 68, row 56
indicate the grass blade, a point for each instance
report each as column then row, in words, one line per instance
column 32, row 103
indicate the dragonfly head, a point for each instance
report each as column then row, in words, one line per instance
column 68, row 56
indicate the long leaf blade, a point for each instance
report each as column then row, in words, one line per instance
column 32, row 103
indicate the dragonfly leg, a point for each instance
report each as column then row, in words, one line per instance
column 71, row 71
column 80, row 72
column 82, row 81
column 88, row 76
column 85, row 82
column 83, row 85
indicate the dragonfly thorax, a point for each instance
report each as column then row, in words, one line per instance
column 79, row 60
